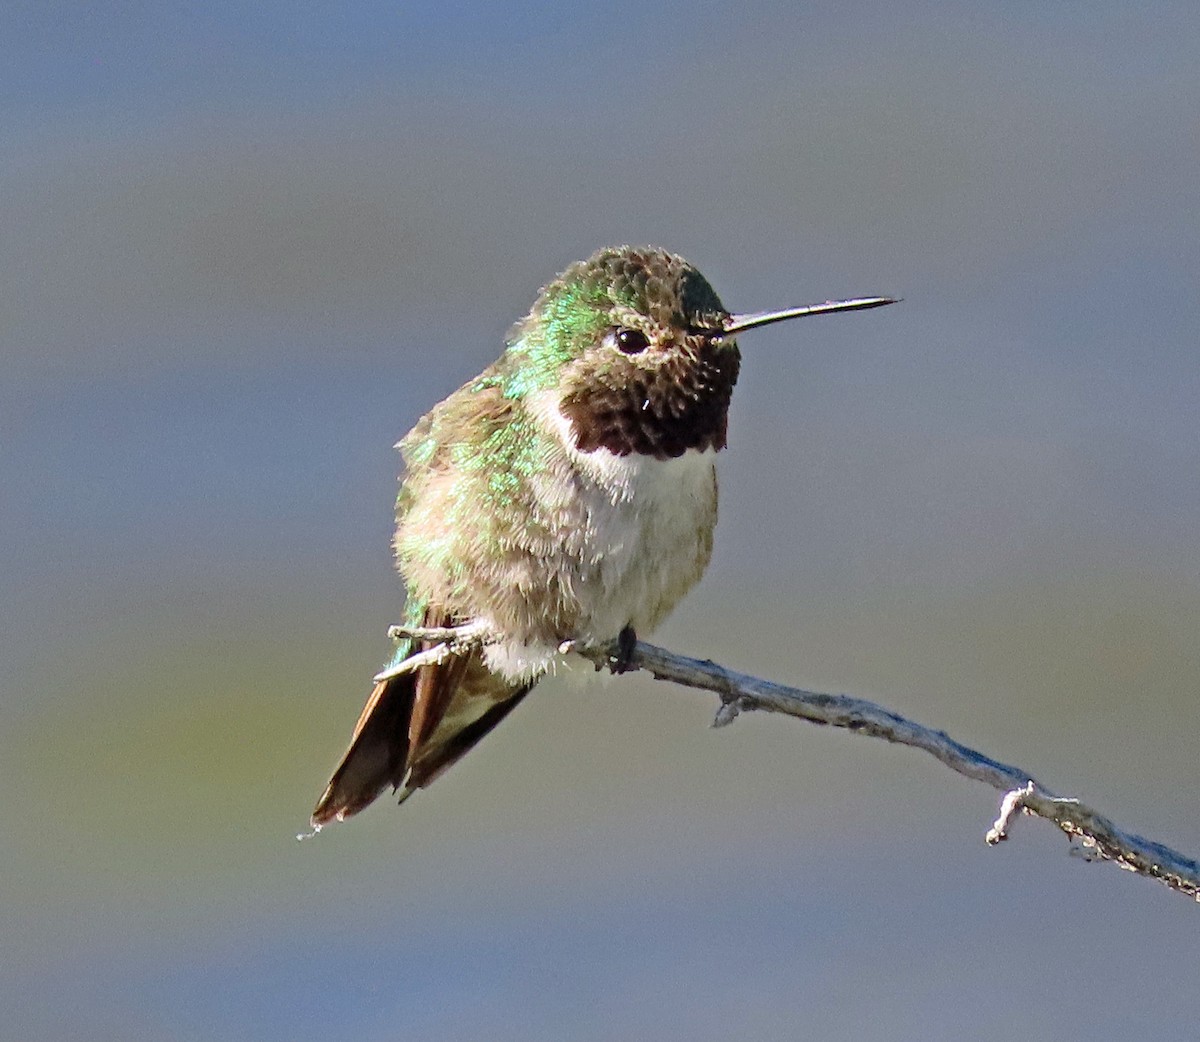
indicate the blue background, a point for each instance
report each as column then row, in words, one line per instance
column 244, row 247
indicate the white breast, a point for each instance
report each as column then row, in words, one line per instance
column 650, row 523
column 637, row 536
column 633, row 536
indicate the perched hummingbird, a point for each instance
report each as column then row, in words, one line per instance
column 568, row 492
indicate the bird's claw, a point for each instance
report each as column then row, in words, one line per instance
column 621, row 661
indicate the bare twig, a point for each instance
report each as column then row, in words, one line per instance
column 1094, row 837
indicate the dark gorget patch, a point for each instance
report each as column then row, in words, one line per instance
column 660, row 409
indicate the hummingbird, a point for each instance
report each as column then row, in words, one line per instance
column 566, row 493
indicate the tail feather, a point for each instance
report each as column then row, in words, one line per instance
column 378, row 752
column 426, row 769
column 406, row 739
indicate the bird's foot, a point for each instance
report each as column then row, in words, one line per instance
column 468, row 633
column 618, row 655
column 621, row 661
column 442, row 642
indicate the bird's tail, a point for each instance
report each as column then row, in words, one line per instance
column 378, row 753
column 413, row 727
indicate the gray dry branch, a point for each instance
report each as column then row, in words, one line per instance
column 1094, row 837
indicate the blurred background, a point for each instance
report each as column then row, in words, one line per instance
column 245, row 246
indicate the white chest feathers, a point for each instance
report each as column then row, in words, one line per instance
column 634, row 534
column 649, row 525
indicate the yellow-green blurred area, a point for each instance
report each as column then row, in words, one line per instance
column 245, row 246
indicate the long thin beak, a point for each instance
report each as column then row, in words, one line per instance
column 737, row 323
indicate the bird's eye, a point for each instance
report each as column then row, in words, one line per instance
column 631, row 341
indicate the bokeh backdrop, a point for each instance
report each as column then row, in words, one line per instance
column 245, row 246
